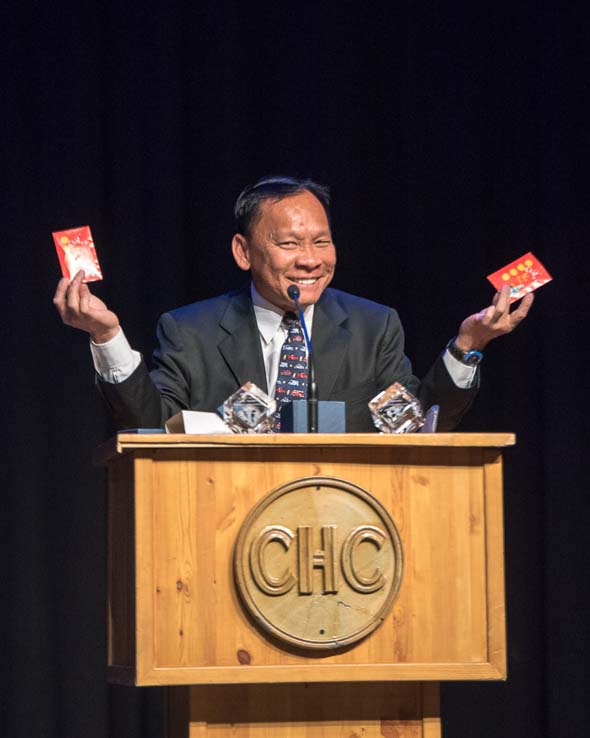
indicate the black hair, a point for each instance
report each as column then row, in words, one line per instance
column 274, row 187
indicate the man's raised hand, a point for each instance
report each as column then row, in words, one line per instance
column 79, row 308
column 496, row 320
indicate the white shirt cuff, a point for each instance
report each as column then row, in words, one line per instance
column 114, row 360
column 461, row 374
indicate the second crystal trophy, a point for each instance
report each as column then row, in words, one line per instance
column 395, row 410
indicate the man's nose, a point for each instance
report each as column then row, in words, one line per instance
column 308, row 255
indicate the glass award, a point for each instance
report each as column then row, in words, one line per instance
column 395, row 410
column 249, row 410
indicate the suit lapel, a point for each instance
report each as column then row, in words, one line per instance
column 240, row 347
column 330, row 342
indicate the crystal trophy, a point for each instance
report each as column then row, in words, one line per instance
column 395, row 410
column 249, row 410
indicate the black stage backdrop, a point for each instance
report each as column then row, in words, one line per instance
column 454, row 137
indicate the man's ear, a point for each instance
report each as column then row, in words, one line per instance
column 241, row 251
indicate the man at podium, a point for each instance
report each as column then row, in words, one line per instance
column 208, row 349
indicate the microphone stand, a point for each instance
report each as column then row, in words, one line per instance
column 312, row 388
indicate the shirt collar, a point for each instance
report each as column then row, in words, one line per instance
column 269, row 317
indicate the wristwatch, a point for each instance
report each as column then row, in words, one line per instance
column 469, row 358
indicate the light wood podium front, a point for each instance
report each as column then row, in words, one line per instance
column 176, row 505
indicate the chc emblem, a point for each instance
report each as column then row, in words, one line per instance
column 318, row 563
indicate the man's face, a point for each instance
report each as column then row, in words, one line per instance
column 290, row 243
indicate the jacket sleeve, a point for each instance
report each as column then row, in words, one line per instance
column 147, row 400
column 437, row 387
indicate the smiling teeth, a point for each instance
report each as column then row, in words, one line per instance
column 306, row 281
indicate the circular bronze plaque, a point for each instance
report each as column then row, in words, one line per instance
column 318, row 563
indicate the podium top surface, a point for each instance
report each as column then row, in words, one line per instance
column 125, row 442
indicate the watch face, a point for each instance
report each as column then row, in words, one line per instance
column 469, row 358
column 472, row 358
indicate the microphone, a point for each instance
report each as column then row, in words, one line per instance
column 312, row 389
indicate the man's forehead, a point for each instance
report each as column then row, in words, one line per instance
column 280, row 232
column 299, row 209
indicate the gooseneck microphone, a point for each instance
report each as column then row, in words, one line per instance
column 312, row 388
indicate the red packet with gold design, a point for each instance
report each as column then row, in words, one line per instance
column 524, row 275
column 75, row 251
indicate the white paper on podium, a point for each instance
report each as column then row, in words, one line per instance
column 194, row 421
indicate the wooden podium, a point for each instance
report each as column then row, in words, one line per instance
column 176, row 506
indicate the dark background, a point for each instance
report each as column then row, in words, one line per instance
column 455, row 139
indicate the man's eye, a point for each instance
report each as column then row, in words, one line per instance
column 323, row 242
column 288, row 244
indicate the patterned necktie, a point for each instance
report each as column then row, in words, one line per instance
column 292, row 378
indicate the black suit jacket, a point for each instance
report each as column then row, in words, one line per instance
column 208, row 349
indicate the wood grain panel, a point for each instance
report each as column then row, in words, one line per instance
column 446, row 500
column 175, row 508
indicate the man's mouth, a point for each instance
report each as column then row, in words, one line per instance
column 305, row 281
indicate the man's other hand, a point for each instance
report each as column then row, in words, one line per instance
column 496, row 320
column 79, row 308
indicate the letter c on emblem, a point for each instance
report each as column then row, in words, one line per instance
column 361, row 534
column 267, row 583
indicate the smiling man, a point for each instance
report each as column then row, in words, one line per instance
column 210, row 348
column 287, row 242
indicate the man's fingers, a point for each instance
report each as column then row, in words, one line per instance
column 496, row 320
column 488, row 315
column 499, row 307
column 67, row 297
column 60, row 294
column 74, row 291
column 73, row 296
column 502, row 304
column 522, row 311
column 498, row 294
column 84, row 295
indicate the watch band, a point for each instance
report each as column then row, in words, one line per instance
column 469, row 358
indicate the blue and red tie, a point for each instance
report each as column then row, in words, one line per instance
column 292, row 378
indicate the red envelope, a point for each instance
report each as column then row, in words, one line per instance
column 75, row 251
column 523, row 275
